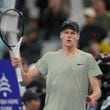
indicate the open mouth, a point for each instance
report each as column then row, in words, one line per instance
column 68, row 40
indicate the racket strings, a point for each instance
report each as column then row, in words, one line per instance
column 8, row 31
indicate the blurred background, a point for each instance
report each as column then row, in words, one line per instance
column 43, row 19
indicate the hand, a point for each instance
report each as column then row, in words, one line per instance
column 16, row 62
column 91, row 101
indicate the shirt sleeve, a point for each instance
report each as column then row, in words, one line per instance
column 42, row 64
column 93, row 68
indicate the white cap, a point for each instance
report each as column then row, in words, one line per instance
column 90, row 12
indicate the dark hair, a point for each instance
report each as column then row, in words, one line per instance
column 29, row 96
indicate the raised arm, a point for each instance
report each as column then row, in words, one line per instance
column 29, row 76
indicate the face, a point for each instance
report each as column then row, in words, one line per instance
column 89, row 20
column 98, row 5
column 55, row 4
column 32, row 36
column 69, row 38
column 33, row 105
column 94, row 47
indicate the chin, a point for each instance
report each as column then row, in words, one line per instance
column 69, row 46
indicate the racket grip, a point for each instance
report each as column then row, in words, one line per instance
column 19, row 74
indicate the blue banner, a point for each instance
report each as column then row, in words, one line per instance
column 9, row 90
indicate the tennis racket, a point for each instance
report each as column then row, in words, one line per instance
column 11, row 33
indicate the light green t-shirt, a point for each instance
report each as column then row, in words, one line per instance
column 67, row 79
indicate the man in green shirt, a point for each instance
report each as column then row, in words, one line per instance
column 69, row 71
column 102, row 15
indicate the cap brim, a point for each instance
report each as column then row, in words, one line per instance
column 69, row 27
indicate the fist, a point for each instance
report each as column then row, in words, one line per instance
column 90, row 101
column 16, row 61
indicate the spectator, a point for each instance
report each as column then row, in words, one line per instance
column 39, row 86
column 94, row 49
column 52, row 18
column 31, row 100
column 90, row 31
column 31, row 47
column 105, row 44
column 42, row 4
column 103, row 16
column 31, row 23
column 50, row 22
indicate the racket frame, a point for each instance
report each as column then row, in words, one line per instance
column 22, row 30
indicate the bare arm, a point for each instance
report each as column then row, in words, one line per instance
column 29, row 76
column 96, row 91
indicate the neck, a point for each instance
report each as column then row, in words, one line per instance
column 70, row 51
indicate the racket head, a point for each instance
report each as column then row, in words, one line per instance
column 8, row 31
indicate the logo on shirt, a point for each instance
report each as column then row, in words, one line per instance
column 79, row 64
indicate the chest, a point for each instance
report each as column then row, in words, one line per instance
column 67, row 66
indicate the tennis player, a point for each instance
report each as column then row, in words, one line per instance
column 69, row 71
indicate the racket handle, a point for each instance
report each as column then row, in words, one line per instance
column 19, row 75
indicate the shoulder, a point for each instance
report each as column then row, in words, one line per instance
column 50, row 54
column 107, row 14
column 86, row 54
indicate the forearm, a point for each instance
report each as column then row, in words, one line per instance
column 29, row 76
column 95, row 85
column 96, row 94
column 26, row 76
